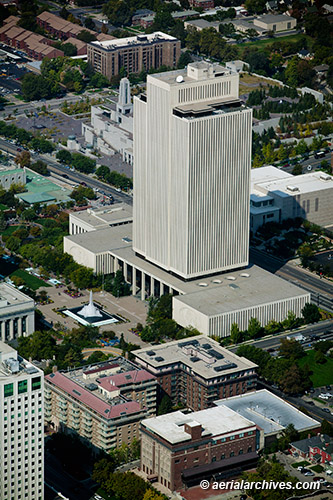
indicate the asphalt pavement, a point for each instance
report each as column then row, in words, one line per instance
column 77, row 177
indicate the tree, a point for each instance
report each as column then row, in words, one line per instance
column 13, row 243
column 99, row 80
column 273, row 327
column 255, row 6
column 298, row 169
column 37, row 87
column 184, row 59
column 152, row 495
column 64, row 156
column 3, row 223
column 289, row 434
column 104, row 29
column 96, row 357
column 291, row 349
column 160, row 309
column 294, row 380
column 119, row 286
column 103, row 470
column 118, row 12
column 86, row 36
column 311, row 313
column 89, row 23
column 165, row 405
column 320, row 358
column 40, row 167
column 23, row 159
column 326, row 428
column 40, row 345
column 291, row 72
column 301, row 147
column 291, row 321
column 69, row 49
column 236, row 336
column 254, row 329
column 82, row 277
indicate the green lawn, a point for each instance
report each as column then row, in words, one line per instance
column 10, row 230
column 317, row 468
column 103, row 494
column 31, row 281
column 264, row 43
column 304, row 463
column 321, row 374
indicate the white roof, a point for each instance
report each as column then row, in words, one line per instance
column 267, row 174
column 133, row 40
column 215, row 421
column 300, row 184
column 269, row 412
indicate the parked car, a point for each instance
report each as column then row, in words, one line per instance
column 328, row 388
column 326, row 410
column 300, row 468
column 308, row 473
column 319, row 479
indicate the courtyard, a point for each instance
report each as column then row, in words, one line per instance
column 130, row 309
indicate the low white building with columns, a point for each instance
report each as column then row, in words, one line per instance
column 17, row 313
column 210, row 304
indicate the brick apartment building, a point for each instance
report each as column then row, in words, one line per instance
column 204, row 4
column 181, row 449
column 135, row 54
column 102, row 403
column 59, row 27
column 198, row 371
column 35, row 46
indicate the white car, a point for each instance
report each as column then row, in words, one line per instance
column 329, row 472
column 323, row 396
column 300, row 468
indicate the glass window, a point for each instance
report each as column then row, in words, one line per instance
column 22, row 386
column 8, row 390
column 36, row 383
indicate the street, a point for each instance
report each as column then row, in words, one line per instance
column 320, row 288
column 77, row 177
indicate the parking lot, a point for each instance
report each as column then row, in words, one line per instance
column 53, row 125
column 10, row 74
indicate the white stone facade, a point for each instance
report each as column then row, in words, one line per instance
column 17, row 313
column 191, row 180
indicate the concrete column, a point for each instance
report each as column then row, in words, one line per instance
column 11, row 329
column 152, row 285
column 116, row 265
column 143, row 285
column 125, row 271
column 133, row 281
column 161, row 289
column 3, row 331
column 19, row 327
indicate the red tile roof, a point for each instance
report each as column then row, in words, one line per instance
column 108, row 411
column 126, row 378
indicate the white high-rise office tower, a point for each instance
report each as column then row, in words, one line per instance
column 192, row 150
column 21, row 428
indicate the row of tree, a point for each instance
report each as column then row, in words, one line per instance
column 255, row 330
column 25, row 138
column 77, row 160
column 114, row 178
